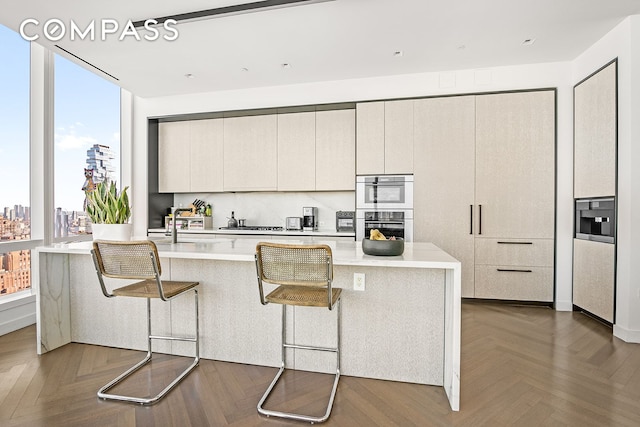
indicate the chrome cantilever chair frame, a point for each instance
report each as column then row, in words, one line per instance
column 184, row 288
column 332, row 301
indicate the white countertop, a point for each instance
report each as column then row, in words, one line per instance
column 416, row 255
column 319, row 233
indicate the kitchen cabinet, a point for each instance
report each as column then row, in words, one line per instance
column 484, row 172
column 250, row 153
column 335, row 161
column 206, row 162
column 174, row 157
column 190, row 156
column 444, row 178
column 594, row 277
column 385, row 137
column 595, row 134
column 297, row 151
column 370, row 138
column 515, row 194
column 515, row 164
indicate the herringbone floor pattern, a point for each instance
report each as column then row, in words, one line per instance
column 521, row 366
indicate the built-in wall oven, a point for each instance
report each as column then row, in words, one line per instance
column 390, row 223
column 384, row 202
column 384, row 192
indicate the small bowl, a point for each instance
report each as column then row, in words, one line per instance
column 383, row 247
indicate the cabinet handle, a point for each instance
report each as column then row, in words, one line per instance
column 479, row 219
column 515, row 243
column 471, row 220
column 514, row 270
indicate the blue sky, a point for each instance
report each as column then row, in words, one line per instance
column 87, row 112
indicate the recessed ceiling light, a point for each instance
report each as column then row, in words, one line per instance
column 528, row 42
column 189, row 75
column 286, row 65
column 398, row 53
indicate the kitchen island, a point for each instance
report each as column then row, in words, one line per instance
column 405, row 326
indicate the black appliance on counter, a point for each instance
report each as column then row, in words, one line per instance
column 346, row 221
column 596, row 219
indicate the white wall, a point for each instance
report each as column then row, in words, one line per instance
column 557, row 75
column 623, row 42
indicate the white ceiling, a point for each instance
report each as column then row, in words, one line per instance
column 334, row 40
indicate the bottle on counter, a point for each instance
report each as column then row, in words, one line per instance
column 207, row 211
column 233, row 222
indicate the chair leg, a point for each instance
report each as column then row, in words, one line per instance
column 102, row 393
column 302, row 417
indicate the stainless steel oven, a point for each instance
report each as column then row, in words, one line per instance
column 391, row 223
column 388, row 192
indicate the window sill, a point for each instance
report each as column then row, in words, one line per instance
column 7, row 302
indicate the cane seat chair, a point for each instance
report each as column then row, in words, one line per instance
column 138, row 260
column 303, row 276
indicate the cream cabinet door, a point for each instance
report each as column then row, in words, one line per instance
column 297, row 151
column 370, row 138
column 515, row 164
column 444, row 158
column 335, row 150
column 398, row 137
column 250, row 153
column 174, row 157
column 594, row 277
column 207, row 148
column 595, row 124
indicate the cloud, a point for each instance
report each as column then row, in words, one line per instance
column 71, row 141
column 115, row 137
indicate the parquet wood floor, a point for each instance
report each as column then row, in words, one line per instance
column 521, row 366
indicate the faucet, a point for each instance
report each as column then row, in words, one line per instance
column 174, row 216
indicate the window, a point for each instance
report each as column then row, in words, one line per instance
column 15, row 214
column 87, row 136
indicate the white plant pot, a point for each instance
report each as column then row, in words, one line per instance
column 111, row 231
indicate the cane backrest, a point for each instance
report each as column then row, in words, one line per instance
column 127, row 259
column 295, row 265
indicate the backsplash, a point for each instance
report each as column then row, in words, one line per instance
column 271, row 208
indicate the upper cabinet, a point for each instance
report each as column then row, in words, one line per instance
column 335, row 150
column 207, row 147
column 385, row 137
column 174, row 156
column 190, row 156
column 596, row 134
column 370, row 138
column 250, row 153
column 297, row 151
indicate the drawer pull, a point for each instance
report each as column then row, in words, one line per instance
column 515, row 243
column 514, row 270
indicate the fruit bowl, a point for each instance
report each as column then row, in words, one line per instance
column 383, row 247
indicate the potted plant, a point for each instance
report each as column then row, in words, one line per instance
column 109, row 212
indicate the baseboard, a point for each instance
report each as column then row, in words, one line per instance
column 626, row 335
column 564, row 306
column 17, row 314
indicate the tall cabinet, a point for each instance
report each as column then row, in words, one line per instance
column 485, row 189
column 595, row 172
column 444, row 174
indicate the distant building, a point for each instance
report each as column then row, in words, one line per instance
column 99, row 159
column 15, row 271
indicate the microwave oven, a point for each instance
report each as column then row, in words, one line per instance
column 384, row 192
